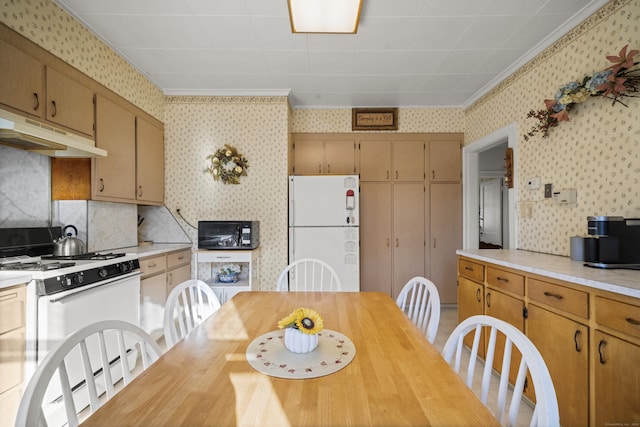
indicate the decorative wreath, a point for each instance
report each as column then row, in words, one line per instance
column 228, row 165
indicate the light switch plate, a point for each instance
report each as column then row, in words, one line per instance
column 548, row 191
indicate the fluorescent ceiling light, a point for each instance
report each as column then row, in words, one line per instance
column 324, row 16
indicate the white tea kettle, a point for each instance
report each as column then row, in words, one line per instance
column 68, row 245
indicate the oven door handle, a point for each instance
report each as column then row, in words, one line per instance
column 73, row 292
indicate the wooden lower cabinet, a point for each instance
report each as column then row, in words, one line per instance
column 470, row 303
column 617, row 381
column 564, row 345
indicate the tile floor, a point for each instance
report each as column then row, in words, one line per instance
column 448, row 322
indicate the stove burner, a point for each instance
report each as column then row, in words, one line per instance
column 87, row 256
column 35, row 266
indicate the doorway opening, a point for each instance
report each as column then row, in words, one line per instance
column 488, row 207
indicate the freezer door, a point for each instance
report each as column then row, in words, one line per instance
column 330, row 200
column 337, row 246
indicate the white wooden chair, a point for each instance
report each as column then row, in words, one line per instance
column 188, row 305
column 420, row 301
column 309, row 274
column 97, row 346
column 546, row 410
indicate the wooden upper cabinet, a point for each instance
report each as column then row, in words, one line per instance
column 408, row 160
column 339, row 157
column 22, row 81
column 375, row 160
column 150, row 162
column 318, row 155
column 445, row 161
column 114, row 176
column 308, row 156
column 69, row 103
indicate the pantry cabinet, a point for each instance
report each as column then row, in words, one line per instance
column 12, row 351
column 317, row 154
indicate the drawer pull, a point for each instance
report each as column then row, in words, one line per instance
column 153, row 265
column 633, row 321
column 54, row 109
column 36, row 101
column 488, row 298
column 601, row 347
column 181, row 257
column 468, row 268
column 577, row 335
column 502, row 279
column 478, row 294
column 552, row 295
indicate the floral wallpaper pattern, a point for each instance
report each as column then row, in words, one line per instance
column 258, row 127
column 597, row 152
column 52, row 28
column 409, row 120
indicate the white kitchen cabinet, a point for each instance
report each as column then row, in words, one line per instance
column 215, row 259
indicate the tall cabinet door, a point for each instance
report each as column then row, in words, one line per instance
column 375, row 237
column 115, row 174
column 375, row 160
column 408, row 233
column 149, row 162
column 445, row 208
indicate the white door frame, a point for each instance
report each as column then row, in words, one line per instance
column 471, row 185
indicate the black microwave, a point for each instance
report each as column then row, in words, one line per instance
column 228, row 234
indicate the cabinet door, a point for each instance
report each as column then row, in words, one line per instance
column 375, row 160
column 308, row 155
column 150, row 162
column 115, row 175
column 408, row 233
column 445, row 230
column 220, row 293
column 22, row 84
column 617, row 380
column 153, row 296
column 408, row 160
column 340, row 157
column 445, row 161
column 564, row 345
column 470, row 303
column 509, row 309
column 178, row 275
column 69, row 103
column 375, row 237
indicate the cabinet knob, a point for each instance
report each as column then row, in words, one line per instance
column 387, row 174
column 397, row 174
column 140, row 191
column 433, row 174
column 397, row 242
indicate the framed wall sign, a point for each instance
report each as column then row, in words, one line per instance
column 374, row 119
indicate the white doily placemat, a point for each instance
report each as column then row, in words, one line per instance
column 268, row 355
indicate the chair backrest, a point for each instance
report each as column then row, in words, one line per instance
column 420, row 301
column 102, row 340
column 546, row 409
column 309, row 274
column 188, row 305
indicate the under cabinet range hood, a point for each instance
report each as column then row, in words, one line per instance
column 27, row 134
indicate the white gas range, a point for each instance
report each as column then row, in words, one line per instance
column 67, row 293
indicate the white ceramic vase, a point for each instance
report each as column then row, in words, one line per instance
column 299, row 342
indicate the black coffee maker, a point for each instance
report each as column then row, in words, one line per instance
column 618, row 241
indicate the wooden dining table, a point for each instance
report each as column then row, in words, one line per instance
column 396, row 377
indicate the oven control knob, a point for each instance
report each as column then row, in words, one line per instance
column 102, row 272
column 124, row 267
column 79, row 278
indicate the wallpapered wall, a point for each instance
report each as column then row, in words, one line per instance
column 597, row 152
column 49, row 26
column 258, row 128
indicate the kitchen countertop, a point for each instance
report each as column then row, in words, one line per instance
column 11, row 279
column 624, row 282
column 153, row 249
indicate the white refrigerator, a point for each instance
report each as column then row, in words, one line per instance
column 324, row 223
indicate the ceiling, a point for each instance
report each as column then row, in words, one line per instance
column 407, row 53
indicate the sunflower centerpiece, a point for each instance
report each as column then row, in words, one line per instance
column 301, row 329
